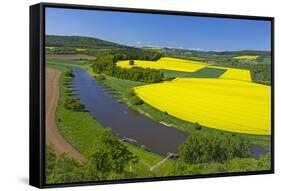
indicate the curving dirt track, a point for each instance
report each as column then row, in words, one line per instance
column 53, row 136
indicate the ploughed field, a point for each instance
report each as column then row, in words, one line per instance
column 230, row 102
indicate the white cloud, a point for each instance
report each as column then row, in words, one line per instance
column 197, row 49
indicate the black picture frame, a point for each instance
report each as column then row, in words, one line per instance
column 37, row 92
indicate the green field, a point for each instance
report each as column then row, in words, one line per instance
column 202, row 73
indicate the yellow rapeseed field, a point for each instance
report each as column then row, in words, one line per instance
column 224, row 104
column 166, row 63
column 238, row 74
column 235, row 73
column 184, row 65
column 246, row 57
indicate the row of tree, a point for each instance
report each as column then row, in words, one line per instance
column 136, row 54
column 70, row 102
column 61, row 50
column 106, row 65
column 233, row 165
column 202, row 148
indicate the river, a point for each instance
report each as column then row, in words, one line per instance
column 127, row 124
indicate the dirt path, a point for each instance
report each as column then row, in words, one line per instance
column 53, row 136
column 160, row 162
column 151, row 168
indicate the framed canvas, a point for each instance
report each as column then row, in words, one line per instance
column 127, row 95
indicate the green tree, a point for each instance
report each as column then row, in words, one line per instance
column 73, row 104
column 62, row 168
column 265, row 162
column 106, row 65
column 50, row 158
column 111, row 156
column 241, row 165
column 69, row 73
column 132, row 62
column 200, row 148
column 182, row 169
column 135, row 100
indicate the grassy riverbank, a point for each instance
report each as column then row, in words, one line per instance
column 81, row 129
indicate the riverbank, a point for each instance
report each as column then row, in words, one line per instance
column 81, row 130
column 53, row 136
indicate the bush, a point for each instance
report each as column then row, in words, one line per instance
column 131, row 93
column 69, row 73
column 62, row 168
column 201, row 148
column 181, row 168
column 68, row 91
column 265, row 162
column 169, row 78
column 136, row 100
column 241, row 165
column 73, row 104
column 100, row 77
column 198, row 126
column 132, row 62
column 111, row 155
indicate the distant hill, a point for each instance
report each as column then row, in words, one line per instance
column 80, row 42
column 95, row 43
column 96, row 47
column 175, row 51
column 68, row 44
column 210, row 55
column 243, row 52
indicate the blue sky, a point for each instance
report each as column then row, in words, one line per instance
column 136, row 29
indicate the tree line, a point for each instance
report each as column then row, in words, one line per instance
column 106, row 64
column 110, row 161
column 202, row 148
column 70, row 102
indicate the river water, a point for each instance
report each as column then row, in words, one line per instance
column 127, row 124
column 124, row 122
